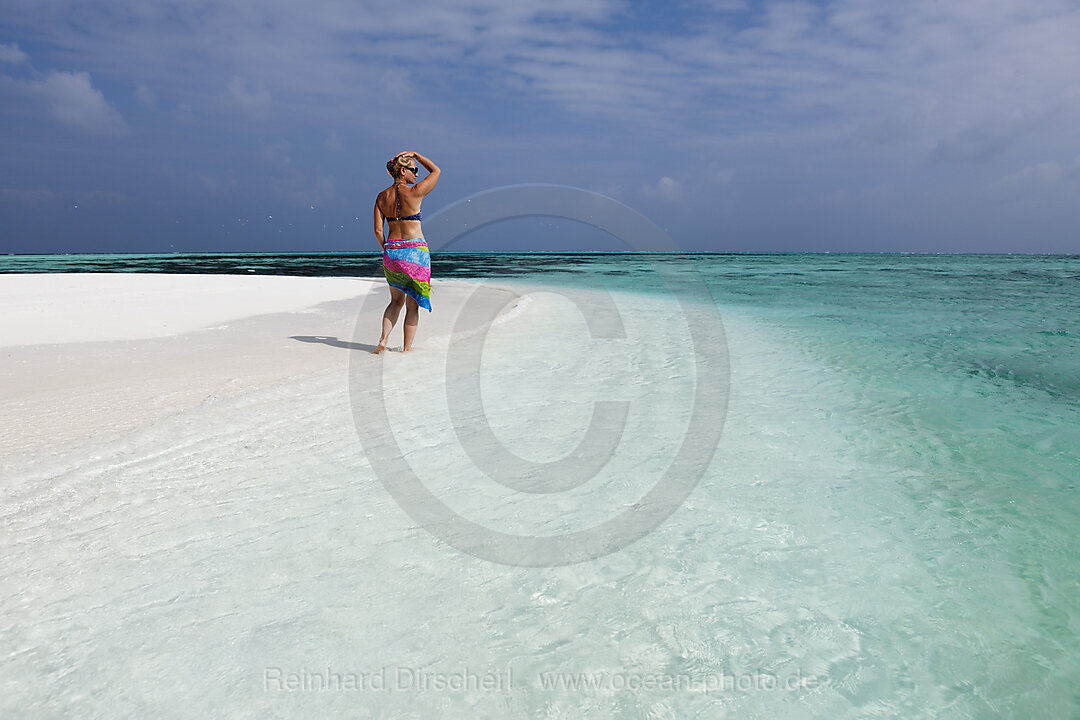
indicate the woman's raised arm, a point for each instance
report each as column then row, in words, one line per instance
column 428, row 183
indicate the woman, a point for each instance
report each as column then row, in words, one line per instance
column 406, row 262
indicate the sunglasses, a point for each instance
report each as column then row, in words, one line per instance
column 416, row 171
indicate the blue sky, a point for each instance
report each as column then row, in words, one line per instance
column 846, row 125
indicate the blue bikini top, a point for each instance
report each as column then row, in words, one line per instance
column 397, row 195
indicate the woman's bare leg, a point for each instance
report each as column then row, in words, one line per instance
column 390, row 316
column 412, row 317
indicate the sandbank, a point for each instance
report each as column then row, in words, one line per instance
column 86, row 356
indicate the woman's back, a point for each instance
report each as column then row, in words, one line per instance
column 401, row 209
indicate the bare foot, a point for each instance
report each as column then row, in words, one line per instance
column 380, row 347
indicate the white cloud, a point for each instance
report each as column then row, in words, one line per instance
column 334, row 142
column 251, row 97
column 103, row 197
column 218, row 184
column 1043, row 172
column 75, row 102
column 277, row 154
column 12, row 54
column 1040, row 178
column 960, row 81
column 28, row 195
column 944, row 79
column 665, row 188
column 145, row 95
column 719, row 175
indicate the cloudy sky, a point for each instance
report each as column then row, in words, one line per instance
column 876, row 125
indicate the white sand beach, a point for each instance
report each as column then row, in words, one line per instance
column 90, row 355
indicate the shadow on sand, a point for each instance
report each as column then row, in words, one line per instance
column 333, row 341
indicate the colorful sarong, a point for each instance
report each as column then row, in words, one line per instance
column 407, row 266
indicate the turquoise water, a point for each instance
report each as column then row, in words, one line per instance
column 890, row 517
